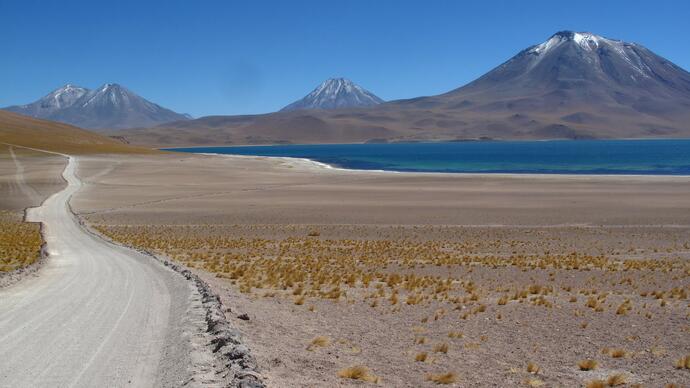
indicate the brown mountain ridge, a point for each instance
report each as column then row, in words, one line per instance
column 575, row 85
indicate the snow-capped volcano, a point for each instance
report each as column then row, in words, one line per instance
column 569, row 60
column 58, row 99
column 335, row 93
column 111, row 106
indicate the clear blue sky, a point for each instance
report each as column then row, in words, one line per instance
column 234, row 57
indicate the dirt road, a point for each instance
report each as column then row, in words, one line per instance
column 98, row 315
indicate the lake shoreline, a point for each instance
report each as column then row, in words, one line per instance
column 588, row 158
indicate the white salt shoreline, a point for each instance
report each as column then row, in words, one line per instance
column 314, row 165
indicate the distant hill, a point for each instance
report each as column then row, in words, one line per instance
column 57, row 137
column 109, row 107
column 574, row 85
column 335, row 93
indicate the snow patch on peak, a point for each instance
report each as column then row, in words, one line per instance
column 585, row 40
column 335, row 93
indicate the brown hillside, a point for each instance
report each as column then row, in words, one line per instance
column 51, row 136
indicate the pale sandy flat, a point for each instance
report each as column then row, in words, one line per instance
column 191, row 207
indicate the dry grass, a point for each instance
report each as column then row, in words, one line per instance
column 534, row 382
column 615, row 380
column 358, row 373
column 617, row 353
column 587, row 364
column 319, row 342
column 532, row 368
column 446, row 378
column 596, row 384
column 20, row 242
column 441, row 348
column 683, row 362
column 427, row 281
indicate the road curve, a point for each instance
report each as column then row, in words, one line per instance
column 98, row 315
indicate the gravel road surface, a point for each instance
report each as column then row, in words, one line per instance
column 99, row 315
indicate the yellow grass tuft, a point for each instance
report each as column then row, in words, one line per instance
column 532, row 368
column 319, row 342
column 596, row 384
column 683, row 363
column 421, row 357
column 587, row 364
column 447, row 378
column 441, row 348
column 615, row 380
column 534, row 382
column 358, row 372
column 617, row 353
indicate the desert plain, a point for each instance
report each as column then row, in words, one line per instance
column 352, row 278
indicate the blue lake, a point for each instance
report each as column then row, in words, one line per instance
column 645, row 157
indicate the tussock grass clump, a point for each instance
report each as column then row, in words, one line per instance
column 319, row 342
column 615, row 380
column 683, row 362
column 532, row 368
column 617, row 353
column 624, row 308
column 446, row 378
column 441, row 348
column 534, row 382
column 358, row 372
column 421, row 357
column 587, row 364
column 596, row 384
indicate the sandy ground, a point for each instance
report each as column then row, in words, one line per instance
column 28, row 177
column 601, row 263
column 198, row 189
column 98, row 314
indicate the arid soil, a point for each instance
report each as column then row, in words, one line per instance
column 26, row 179
column 420, row 279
